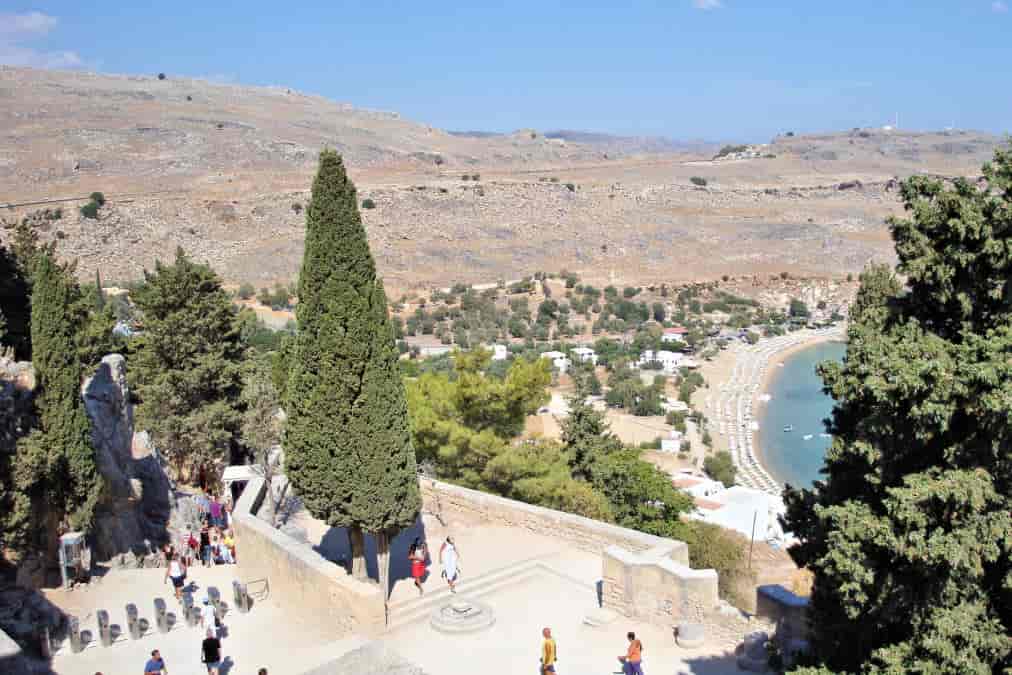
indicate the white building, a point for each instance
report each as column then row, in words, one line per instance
column 584, row 354
column 559, row 360
column 672, row 444
column 676, row 334
column 697, row 486
column 500, row 352
column 674, row 405
column 670, row 361
column 738, row 508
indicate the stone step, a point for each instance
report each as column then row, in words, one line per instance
column 404, row 612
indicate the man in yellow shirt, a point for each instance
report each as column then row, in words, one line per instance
column 548, row 656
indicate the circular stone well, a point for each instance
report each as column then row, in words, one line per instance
column 461, row 615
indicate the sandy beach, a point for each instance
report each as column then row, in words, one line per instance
column 736, row 380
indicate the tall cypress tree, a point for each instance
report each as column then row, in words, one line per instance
column 910, row 535
column 55, row 466
column 348, row 447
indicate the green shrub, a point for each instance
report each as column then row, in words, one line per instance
column 465, row 177
column 90, row 210
column 712, row 547
column 246, row 291
column 98, row 198
column 730, row 150
column 368, row 204
column 698, row 180
column 720, row 467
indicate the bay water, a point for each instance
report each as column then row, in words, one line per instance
column 798, row 402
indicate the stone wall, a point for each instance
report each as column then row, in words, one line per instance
column 299, row 577
column 788, row 611
column 585, row 533
column 653, row 587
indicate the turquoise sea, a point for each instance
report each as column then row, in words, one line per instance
column 797, row 401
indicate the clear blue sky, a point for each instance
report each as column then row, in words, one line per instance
column 716, row 69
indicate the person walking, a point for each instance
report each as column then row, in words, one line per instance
column 208, row 617
column 417, row 554
column 205, row 544
column 632, row 660
column 215, row 508
column 449, row 557
column 155, row 665
column 548, row 652
column 176, row 570
column 210, row 651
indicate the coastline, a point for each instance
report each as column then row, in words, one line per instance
column 771, row 373
column 736, row 380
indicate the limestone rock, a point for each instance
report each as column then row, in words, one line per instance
column 137, row 502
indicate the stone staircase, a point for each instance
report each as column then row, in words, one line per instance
column 417, row 609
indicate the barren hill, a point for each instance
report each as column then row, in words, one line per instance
column 223, row 170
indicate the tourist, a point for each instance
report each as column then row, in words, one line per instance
column 631, row 660
column 216, row 512
column 548, row 654
column 449, row 557
column 230, row 545
column 208, row 617
column 194, row 547
column 200, row 499
column 155, row 665
column 417, row 555
column 176, row 570
column 211, row 652
column 262, row 671
column 205, row 544
column 185, row 552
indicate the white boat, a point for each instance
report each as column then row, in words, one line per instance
column 825, row 435
column 788, row 428
column 807, row 437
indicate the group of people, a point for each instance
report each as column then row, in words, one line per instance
column 156, row 664
column 632, row 660
column 449, row 559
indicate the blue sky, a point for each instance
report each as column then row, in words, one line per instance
column 715, row 69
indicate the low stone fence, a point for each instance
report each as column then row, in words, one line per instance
column 585, row 533
column 653, row 587
column 301, row 578
column 788, row 611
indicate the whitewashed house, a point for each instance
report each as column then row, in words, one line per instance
column 584, row 355
column 672, row 444
column 697, row 486
column 559, row 360
column 676, row 335
column 670, row 361
column 500, row 352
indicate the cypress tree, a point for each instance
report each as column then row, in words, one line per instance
column 910, row 535
column 55, row 470
column 348, row 449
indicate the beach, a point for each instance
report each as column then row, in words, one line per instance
column 737, row 379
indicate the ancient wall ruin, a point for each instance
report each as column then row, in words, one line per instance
column 300, row 577
column 653, row 587
column 584, row 533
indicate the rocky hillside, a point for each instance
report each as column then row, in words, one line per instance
column 224, row 171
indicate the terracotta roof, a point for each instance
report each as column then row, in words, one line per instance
column 708, row 504
column 677, row 330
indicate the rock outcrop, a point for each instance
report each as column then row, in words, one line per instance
column 138, row 499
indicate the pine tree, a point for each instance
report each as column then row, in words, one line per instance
column 185, row 369
column 586, row 437
column 910, row 535
column 348, row 447
column 55, row 470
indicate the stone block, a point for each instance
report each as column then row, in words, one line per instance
column 690, row 635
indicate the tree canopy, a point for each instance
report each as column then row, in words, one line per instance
column 185, row 369
column 347, row 440
column 910, row 535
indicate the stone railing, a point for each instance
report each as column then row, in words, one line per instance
column 301, row 578
column 654, row 587
column 585, row 533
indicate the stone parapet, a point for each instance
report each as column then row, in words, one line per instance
column 788, row 611
column 584, row 533
column 301, row 578
column 654, row 587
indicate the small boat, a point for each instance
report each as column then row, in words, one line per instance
column 825, row 435
column 807, row 437
column 788, row 428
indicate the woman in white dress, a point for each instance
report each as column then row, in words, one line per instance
column 449, row 556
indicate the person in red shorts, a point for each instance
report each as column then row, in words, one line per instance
column 417, row 555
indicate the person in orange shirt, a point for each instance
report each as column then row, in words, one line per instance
column 631, row 662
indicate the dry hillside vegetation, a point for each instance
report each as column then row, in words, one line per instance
column 224, row 171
